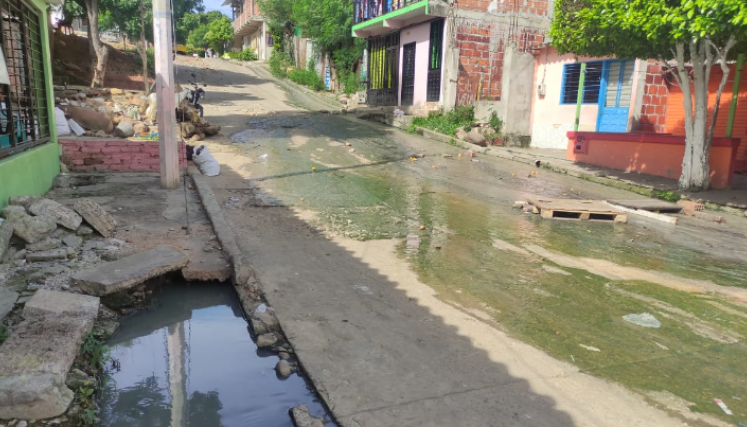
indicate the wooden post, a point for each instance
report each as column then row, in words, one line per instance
column 167, row 141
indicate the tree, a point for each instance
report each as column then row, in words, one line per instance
column 219, row 32
column 196, row 39
column 191, row 21
column 100, row 49
column 688, row 37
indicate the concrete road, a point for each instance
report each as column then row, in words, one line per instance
column 415, row 295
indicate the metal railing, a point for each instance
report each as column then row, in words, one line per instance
column 364, row 10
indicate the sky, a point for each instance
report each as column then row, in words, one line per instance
column 216, row 5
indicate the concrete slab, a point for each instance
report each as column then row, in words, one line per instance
column 95, row 215
column 55, row 303
column 130, row 271
column 6, row 232
column 205, row 266
column 35, row 362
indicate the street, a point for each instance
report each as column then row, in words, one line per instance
column 414, row 294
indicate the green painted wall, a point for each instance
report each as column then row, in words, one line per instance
column 33, row 171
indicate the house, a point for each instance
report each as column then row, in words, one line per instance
column 29, row 152
column 631, row 116
column 428, row 54
column 250, row 28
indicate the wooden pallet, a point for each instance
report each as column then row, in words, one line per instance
column 579, row 210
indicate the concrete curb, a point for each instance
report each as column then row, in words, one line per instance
column 240, row 273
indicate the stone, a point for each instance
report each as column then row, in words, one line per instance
column 267, row 340
column 115, row 91
column 130, row 271
column 476, row 138
column 76, row 380
column 140, row 127
column 20, row 255
column 65, row 216
column 12, row 212
column 72, row 241
column 302, row 418
column 50, row 255
column 96, row 216
column 22, row 423
column 186, row 130
column 24, row 201
column 104, row 329
column 36, row 359
column 283, row 355
column 90, row 119
column 33, row 228
column 211, row 130
column 124, row 130
column 44, row 245
column 462, row 134
column 51, row 304
column 283, row 368
column 6, row 232
column 264, row 320
column 84, row 230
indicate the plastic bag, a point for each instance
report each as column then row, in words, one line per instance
column 61, row 122
column 75, row 127
column 205, row 161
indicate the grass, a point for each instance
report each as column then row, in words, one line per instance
column 282, row 67
column 4, row 333
column 447, row 123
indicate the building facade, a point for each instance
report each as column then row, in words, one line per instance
column 29, row 152
column 250, row 28
column 431, row 53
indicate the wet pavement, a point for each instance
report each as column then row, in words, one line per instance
column 190, row 361
column 297, row 185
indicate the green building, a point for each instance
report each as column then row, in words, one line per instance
column 29, row 152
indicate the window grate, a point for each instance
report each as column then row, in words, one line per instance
column 592, row 82
column 434, row 63
column 24, row 114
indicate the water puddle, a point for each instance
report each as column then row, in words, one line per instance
column 190, row 361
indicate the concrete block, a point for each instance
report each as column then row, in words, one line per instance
column 95, row 215
column 47, row 303
column 65, row 216
column 35, row 362
column 6, row 232
column 130, row 271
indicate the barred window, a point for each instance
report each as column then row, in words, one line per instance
column 592, row 82
column 24, row 115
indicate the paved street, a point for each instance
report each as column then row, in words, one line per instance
column 415, row 295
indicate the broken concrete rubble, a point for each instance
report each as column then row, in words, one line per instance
column 65, row 216
column 33, row 228
column 12, row 212
column 50, row 255
column 44, row 245
column 90, row 119
column 302, row 417
column 130, row 271
column 6, row 232
column 96, row 216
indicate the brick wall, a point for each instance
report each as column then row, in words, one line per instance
column 482, row 46
column 113, row 155
column 655, row 100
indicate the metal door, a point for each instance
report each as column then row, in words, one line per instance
column 408, row 74
column 434, row 61
column 383, row 70
column 614, row 96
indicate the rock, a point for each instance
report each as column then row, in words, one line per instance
column 50, row 255
column 140, row 127
column 76, row 380
column 283, row 355
column 72, row 241
column 104, row 329
column 84, row 230
column 12, row 212
column 55, row 304
column 24, row 201
column 96, row 216
column 211, row 130
column 267, row 340
column 302, row 417
column 283, row 368
column 90, row 119
column 264, row 320
column 65, row 216
column 34, row 228
column 124, row 130
column 130, row 271
column 20, row 255
column 477, row 138
column 186, row 130
column 115, row 91
column 22, row 423
column 101, row 134
column 461, row 134
column 6, row 232
column 196, row 138
column 44, row 245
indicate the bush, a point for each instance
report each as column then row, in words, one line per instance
column 279, row 64
column 448, row 123
column 248, row 54
column 350, row 81
column 307, row 78
column 496, row 123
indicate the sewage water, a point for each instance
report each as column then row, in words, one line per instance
column 190, row 361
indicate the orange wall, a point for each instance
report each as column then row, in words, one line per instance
column 675, row 123
column 659, row 155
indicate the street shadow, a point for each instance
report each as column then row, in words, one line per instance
column 377, row 350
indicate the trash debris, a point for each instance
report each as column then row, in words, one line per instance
column 519, row 204
column 61, row 122
column 261, row 308
column 590, row 348
column 75, row 127
column 264, row 157
column 646, row 320
column 723, row 406
column 205, row 161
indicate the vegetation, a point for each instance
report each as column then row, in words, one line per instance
column 4, row 333
column 247, row 54
column 667, row 195
column 448, row 122
column 94, row 354
column 688, row 38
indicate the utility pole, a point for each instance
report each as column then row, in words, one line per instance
column 167, row 141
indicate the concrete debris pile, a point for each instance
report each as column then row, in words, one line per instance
column 117, row 113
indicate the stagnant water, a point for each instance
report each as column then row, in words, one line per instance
column 190, row 361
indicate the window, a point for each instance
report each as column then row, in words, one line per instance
column 592, row 82
column 24, row 115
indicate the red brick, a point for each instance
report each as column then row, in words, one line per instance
column 110, row 150
column 131, row 149
column 90, row 149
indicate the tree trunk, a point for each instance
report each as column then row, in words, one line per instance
column 144, row 48
column 101, row 50
column 695, row 166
